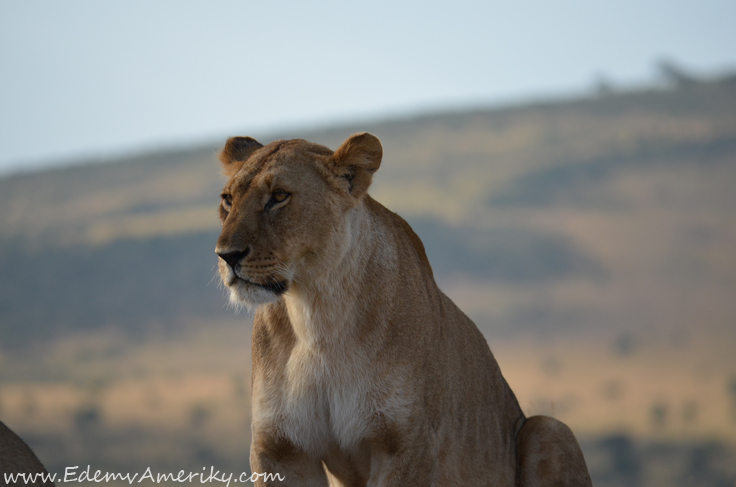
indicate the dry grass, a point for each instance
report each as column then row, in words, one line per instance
column 199, row 381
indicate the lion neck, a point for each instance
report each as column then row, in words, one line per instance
column 324, row 312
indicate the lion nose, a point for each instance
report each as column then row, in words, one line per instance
column 233, row 258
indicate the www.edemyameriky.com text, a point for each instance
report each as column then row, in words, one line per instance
column 73, row 474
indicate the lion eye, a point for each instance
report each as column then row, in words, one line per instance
column 277, row 197
column 227, row 200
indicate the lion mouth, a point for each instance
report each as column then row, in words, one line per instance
column 276, row 287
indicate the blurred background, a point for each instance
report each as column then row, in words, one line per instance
column 570, row 167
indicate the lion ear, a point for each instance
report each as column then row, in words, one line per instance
column 357, row 159
column 237, row 150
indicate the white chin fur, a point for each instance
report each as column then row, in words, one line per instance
column 249, row 296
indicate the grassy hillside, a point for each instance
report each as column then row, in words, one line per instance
column 617, row 192
column 592, row 240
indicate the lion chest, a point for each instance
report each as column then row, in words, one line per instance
column 330, row 389
column 323, row 400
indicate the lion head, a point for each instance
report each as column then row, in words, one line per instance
column 285, row 211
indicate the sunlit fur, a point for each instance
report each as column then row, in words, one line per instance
column 364, row 372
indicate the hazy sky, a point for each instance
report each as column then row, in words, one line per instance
column 82, row 78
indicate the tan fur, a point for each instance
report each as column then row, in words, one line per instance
column 364, row 372
column 17, row 457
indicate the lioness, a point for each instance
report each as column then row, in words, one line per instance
column 363, row 370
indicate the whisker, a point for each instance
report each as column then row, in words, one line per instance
column 215, row 275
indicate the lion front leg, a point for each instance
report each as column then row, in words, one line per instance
column 399, row 469
column 549, row 455
column 278, row 462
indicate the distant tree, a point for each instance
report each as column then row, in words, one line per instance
column 199, row 415
column 690, row 412
column 658, row 415
column 703, row 468
column 603, row 86
column 625, row 345
column 87, row 417
column 625, row 466
column 675, row 73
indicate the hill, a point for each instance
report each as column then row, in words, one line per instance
column 604, row 191
column 591, row 239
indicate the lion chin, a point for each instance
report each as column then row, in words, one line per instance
column 247, row 294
